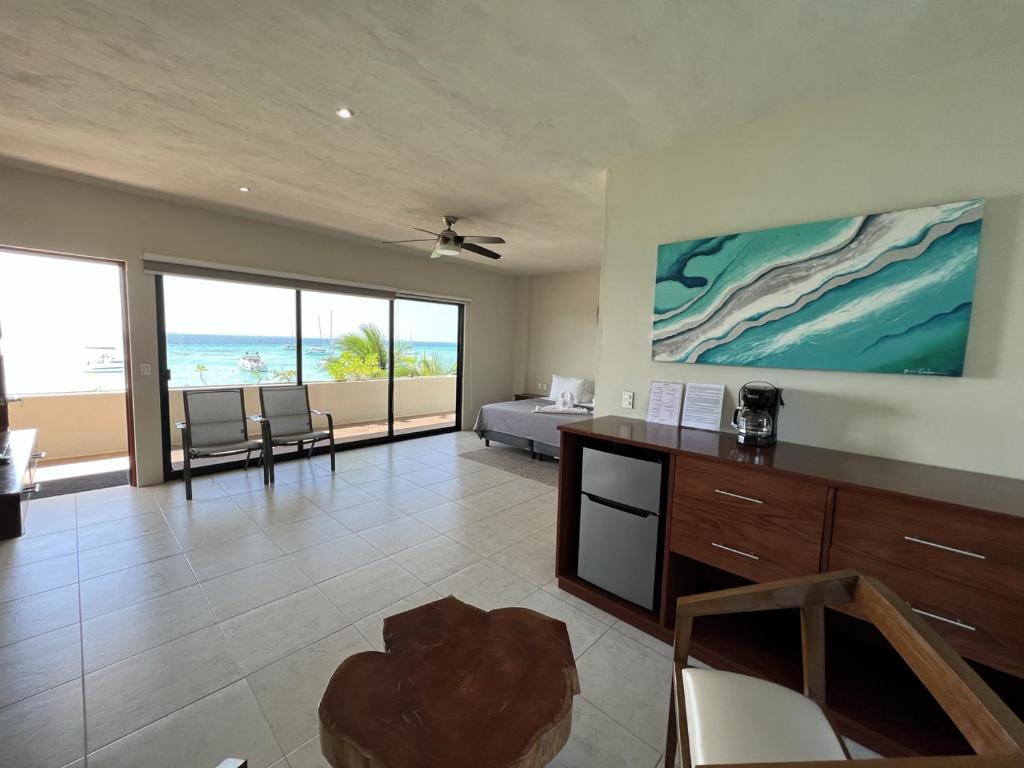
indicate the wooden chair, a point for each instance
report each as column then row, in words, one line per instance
column 992, row 730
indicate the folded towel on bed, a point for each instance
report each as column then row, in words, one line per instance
column 566, row 403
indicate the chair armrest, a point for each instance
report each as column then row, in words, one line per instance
column 327, row 415
column 819, row 589
column 257, row 419
column 314, row 410
column 181, row 425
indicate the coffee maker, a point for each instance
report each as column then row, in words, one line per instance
column 757, row 418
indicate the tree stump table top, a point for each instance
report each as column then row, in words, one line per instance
column 457, row 686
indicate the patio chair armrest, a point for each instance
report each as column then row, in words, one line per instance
column 327, row 415
column 257, row 419
column 819, row 589
column 181, row 425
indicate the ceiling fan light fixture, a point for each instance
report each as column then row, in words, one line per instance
column 448, row 249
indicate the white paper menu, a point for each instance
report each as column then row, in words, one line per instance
column 703, row 406
column 665, row 402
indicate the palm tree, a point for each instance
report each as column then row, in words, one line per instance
column 201, row 370
column 370, row 341
column 433, row 365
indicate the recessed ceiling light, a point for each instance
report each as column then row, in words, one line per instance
column 243, row 189
column 344, row 113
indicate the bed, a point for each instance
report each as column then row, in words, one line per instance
column 514, row 423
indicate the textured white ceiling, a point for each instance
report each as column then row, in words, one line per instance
column 504, row 113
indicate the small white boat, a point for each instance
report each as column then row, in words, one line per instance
column 251, row 361
column 104, row 360
column 318, row 350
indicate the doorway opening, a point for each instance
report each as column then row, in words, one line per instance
column 66, row 371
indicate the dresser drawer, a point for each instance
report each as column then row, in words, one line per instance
column 980, row 625
column 742, row 543
column 764, row 500
column 980, row 550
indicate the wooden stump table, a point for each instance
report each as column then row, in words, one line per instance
column 457, row 687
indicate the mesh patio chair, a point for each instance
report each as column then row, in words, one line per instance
column 214, row 426
column 288, row 420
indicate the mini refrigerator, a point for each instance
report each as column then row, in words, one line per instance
column 621, row 521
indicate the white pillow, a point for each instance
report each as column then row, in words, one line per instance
column 561, row 384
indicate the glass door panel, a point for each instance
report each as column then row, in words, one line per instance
column 345, row 361
column 225, row 334
column 427, row 356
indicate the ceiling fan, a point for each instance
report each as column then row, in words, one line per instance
column 448, row 243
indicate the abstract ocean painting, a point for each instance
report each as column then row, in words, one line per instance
column 882, row 293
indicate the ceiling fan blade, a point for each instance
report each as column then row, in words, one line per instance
column 420, row 229
column 418, row 240
column 482, row 239
column 480, row 250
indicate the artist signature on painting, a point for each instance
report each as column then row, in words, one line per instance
column 924, row 371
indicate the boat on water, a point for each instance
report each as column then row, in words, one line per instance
column 251, row 361
column 318, row 350
column 289, row 346
column 104, row 360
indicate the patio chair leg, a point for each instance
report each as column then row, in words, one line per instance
column 487, row 443
column 298, row 450
column 309, row 453
column 187, row 472
column 245, row 467
column 263, row 466
column 332, row 451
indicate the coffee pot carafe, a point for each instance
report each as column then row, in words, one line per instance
column 756, row 420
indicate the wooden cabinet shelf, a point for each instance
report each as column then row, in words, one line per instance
column 950, row 543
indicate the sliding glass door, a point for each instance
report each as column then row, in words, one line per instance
column 345, row 361
column 427, row 335
column 384, row 368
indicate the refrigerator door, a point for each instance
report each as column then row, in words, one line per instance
column 619, row 551
column 622, row 479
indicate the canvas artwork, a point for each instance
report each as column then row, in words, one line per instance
column 882, row 293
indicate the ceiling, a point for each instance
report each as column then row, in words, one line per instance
column 503, row 113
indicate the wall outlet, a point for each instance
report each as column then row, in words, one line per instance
column 627, row 399
column 145, row 369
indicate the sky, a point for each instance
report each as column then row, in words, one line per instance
column 195, row 306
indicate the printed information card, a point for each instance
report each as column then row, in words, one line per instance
column 665, row 402
column 703, row 406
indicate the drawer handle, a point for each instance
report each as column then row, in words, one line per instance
column 945, row 619
column 751, row 499
column 735, row 551
column 944, row 548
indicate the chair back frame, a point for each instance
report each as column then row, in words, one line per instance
column 989, row 726
column 189, row 393
column 282, row 388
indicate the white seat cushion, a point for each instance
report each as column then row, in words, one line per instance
column 738, row 719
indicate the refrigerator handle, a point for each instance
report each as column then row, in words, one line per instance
column 636, row 511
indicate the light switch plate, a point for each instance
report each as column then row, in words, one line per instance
column 627, row 399
column 145, row 369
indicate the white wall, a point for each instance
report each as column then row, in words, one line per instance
column 563, row 327
column 950, row 134
column 56, row 214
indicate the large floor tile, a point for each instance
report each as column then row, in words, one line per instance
column 125, row 554
column 209, row 522
column 103, row 534
column 275, row 495
column 51, row 515
column 226, row 723
column 389, row 486
column 449, row 516
column 289, row 691
column 22, row 551
column 39, row 663
column 324, row 561
column 436, row 559
column 630, row 683
column 656, row 645
column 372, row 626
column 133, row 585
column 332, row 501
column 428, row 474
column 126, row 696
column 308, row 756
column 366, row 590
column 533, row 559
column 396, row 535
column 222, row 557
column 172, row 494
column 29, row 737
column 33, row 578
column 583, row 630
column 38, row 614
column 239, row 481
column 597, row 741
column 270, row 632
column 363, row 475
column 367, row 514
column 284, row 512
column 241, row 591
column 485, row 585
column 488, row 536
column 305, row 533
column 582, row 605
column 115, row 636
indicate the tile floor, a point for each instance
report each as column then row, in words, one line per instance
column 138, row 629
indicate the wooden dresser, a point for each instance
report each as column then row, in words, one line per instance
column 950, row 543
column 16, row 479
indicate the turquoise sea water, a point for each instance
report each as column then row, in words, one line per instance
column 220, row 356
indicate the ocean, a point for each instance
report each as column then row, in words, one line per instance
column 219, row 354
